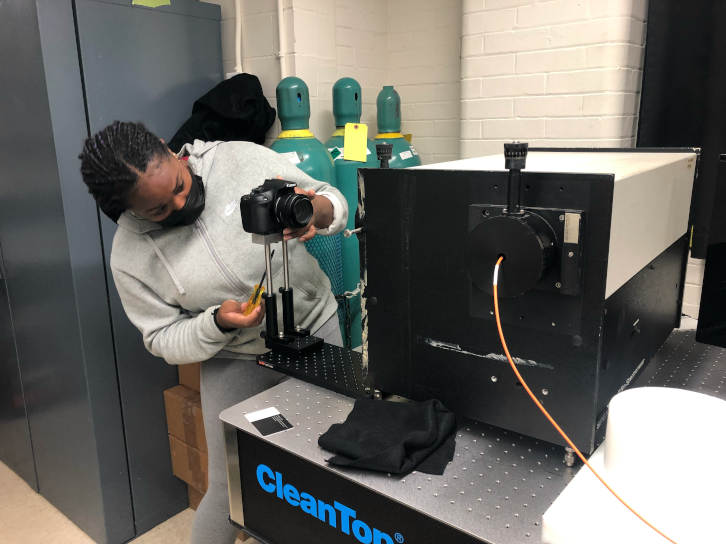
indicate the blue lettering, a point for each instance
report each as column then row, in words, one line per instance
column 345, row 515
column 308, row 504
column 362, row 532
column 278, row 480
column 322, row 508
column 291, row 495
column 271, row 481
column 263, row 470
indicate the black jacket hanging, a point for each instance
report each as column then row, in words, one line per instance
column 234, row 110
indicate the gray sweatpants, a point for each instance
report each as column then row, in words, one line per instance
column 226, row 382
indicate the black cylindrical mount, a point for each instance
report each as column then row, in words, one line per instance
column 288, row 310
column 271, row 314
column 384, row 152
column 515, row 159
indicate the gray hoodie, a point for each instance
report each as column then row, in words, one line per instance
column 171, row 280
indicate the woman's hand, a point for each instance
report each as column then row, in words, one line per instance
column 322, row 217
column 231, row 315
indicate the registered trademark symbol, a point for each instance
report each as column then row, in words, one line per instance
column 399, row 538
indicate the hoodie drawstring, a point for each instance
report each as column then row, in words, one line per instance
column 166, row 264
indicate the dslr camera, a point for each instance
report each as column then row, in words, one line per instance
column 273, row 207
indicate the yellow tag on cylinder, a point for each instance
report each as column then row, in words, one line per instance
column 407, row 137
column 355, row 142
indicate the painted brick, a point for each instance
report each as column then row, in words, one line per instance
column 267, row 69
column 327, row 71
column 325, row 37
column 305, row 42
column 493, row 108
column 344, row 17
column 589, row 81
column 306, row 68
column 433, row 37
column 444, row 146
column 379, row 77
column 325, row 7
column 471, row 6
column 487, row 66
column 694, row 274
column 228, row 39
column 471, row 45
column 590, row 127
column 513, row 85
column 307, row 5
column 399, row 41
column 258, row 6
column 470, row 130
column 471, row 88
column 548, row 106
column 516, row 129
column 370, row 59
column 447, row 91
column 691, row 310
column 617, row 8
column 612, row 55
column 449, row 17
column 345, row 37
column 419, row 129
column 435, row 110
column 501, row 4
column 692, row 294
column 610, row 104
column 490, row 21
column 552, row 13
column 447, row 127
column 558, row 60
column 416, row 93
column 345, row 56
column 416, row 20
column 481, row 148
column 696, row 262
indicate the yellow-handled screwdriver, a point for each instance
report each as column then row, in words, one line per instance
column 256, row 296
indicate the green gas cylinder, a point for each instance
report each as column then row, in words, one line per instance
column 347, row 108
column 298, row 144
column 388, row 105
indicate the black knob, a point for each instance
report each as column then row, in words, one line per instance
column 515, row 155
column 384, row 153
column 373, row 301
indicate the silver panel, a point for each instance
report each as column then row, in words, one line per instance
column 234, row 486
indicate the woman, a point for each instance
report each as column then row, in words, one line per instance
column 182, row 263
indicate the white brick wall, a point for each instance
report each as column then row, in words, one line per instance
column 425, row 68
column 694, row 283
column 554, row 73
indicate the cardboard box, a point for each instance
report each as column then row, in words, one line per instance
column 184, row 416
column 189, row 376
column 195, row 497
column 189, row 464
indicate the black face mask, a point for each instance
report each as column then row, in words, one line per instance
column 192, row 209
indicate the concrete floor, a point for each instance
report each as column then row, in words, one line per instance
column 27, row 518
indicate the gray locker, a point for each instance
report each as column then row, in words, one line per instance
column 81, row 402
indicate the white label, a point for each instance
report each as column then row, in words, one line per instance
column 292, row 156
column 262, row 414
column 405, row 155
column 572, row 228
column 413, row 150
column 368, row 151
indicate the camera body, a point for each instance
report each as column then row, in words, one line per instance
column 273, row 207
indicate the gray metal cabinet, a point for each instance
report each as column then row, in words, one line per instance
column 81, row 402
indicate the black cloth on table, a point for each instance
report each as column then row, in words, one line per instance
column 234, row 110
column 394, row 437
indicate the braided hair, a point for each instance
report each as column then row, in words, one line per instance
column 113, row 159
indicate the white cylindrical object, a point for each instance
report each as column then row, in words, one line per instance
column 281, row 33
column 238, row 36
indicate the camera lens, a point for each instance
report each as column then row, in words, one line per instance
column 294, row 211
